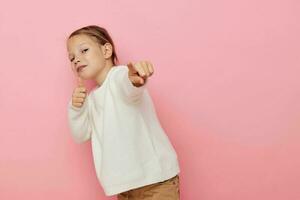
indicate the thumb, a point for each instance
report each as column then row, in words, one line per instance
column 131, row 67
column 137, row 80
column 80, row 82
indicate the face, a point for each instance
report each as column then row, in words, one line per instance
column 84, row 50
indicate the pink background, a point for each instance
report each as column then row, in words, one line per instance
column 226, row 87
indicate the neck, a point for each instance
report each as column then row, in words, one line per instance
column 100, row 77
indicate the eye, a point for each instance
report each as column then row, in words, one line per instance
column 85, row 50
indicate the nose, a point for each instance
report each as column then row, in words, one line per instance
column 76, row 61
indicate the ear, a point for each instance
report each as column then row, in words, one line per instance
column 107, row 50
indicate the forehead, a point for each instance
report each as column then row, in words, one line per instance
column 77, row 41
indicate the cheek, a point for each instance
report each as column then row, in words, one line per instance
column 97, row 56
column 98, row 62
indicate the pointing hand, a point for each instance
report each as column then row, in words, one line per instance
column 139, row 72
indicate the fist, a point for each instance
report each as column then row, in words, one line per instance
column 139, row 72
column 79, row 94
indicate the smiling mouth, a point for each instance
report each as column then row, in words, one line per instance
column 79, row 69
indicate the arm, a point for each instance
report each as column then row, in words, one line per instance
column 129, row 92
column 132, row 79
column 79, row 124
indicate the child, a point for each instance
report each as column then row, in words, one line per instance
column 133, row 156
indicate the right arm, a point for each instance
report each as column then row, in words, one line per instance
column 78, row 118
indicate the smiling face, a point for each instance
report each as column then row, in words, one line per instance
column 84, row 50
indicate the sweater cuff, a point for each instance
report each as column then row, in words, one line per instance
column 131, row 90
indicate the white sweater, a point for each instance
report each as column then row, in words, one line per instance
column 130, row 148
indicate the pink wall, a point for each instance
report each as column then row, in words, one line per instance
column 226, row 87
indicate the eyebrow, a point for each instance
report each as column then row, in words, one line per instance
column 82, row 43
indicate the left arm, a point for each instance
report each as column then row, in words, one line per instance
column 132, row 81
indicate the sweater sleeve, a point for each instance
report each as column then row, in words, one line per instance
column 79, row 124
column 130, row 92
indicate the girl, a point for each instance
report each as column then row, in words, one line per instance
column 133, row 156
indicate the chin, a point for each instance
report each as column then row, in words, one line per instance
column 87, row 76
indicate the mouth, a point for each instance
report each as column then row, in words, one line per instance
column 80, row 68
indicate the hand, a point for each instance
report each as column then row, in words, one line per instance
column 79, row 94
column 139, row 72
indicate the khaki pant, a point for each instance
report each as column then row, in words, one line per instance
column 164, row 190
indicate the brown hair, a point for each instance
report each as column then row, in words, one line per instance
column 101, row 36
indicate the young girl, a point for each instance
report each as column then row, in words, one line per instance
column 133, row 156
